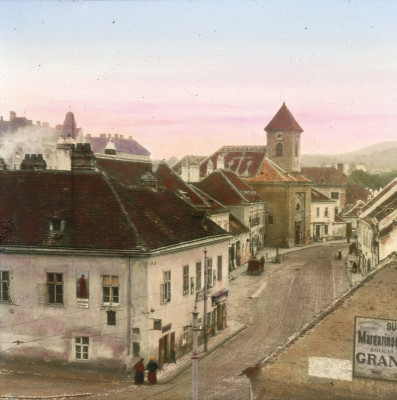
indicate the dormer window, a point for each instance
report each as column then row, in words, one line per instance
column 57, row 225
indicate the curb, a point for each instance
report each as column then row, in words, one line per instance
column 60, row 396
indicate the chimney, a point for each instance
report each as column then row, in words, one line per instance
column 340, row 167
column 102, row 135
column 121, row 136
column 38, row 123
column 3, row 165
column 116, row 136
column 33, row 162
column 129, row 137
column 148, row 179
column 46, row 124
column 83, row 158
column 13, row 115
column 88, row 135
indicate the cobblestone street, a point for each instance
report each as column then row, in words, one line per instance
column 272, row 308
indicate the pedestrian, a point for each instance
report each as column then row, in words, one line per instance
column 152, row 367
column 139, row 372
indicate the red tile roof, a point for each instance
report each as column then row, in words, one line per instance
column 93, row 215
column 339, row 219
column 355, row 192
column 228, row 189
column 319, row 197
column 243, row 160
column 130, row 172
column 214, row 205
column 99, row 212
column 384, row 208
column 283, row 121
column 325, row 175
column 271, row 172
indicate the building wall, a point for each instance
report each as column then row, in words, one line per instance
column 178, row 311
column 318, row 364
column 388, row 245
column 49, row 330
column 222, row 220
column 328, row 190
column 281, row 201
column 290, row 160
column 322, row 214
column 365, row 234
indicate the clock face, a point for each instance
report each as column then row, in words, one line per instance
column 279, row 135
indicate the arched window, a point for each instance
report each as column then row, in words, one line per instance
column 296, row 149
column 279, row 150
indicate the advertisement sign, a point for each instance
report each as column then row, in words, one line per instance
column 375, row 348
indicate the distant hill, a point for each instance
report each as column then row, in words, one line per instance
column 380, row 157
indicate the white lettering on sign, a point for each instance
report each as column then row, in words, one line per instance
column 331, row 368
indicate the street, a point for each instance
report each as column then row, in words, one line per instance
column 274, row 307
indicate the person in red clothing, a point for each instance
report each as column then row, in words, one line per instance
column 139, row 372
column 152, row 367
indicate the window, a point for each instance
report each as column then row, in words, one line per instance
column 317, row 211
column 213, row 278
column 198, row 275
column 296, row 148
column 185, row 334
column 111, row 317
column 191, row 285
column 335, row 195
column 55, row 288
column 326, row 229
column 165, row 288
column 136, row 330
column 110, row 289
column 336, row 210
column 279, row 150
column 209, row 272
column 185, row 279
column 219, row 268
column 270, row 219
column 136, row 349
column 82, row 347
column 4, row 286
column 326, row 212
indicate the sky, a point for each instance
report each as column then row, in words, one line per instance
column 187, row 77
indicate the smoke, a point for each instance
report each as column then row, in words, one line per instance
column 27, row 140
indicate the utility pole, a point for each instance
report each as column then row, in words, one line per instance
column 205, row 300
column 195, row 355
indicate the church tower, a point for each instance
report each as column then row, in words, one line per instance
column 283, row 140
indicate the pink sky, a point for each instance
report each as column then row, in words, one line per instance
column 188, row 77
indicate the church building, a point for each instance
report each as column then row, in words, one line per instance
column 280, row 183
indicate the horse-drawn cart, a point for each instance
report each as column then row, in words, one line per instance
column 256, row 267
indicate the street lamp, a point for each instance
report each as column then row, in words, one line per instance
column 205, row 300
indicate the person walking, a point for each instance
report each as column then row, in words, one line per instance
column 152, row 367
column 139, row 372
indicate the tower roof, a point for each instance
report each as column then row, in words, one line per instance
column 283, row 121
